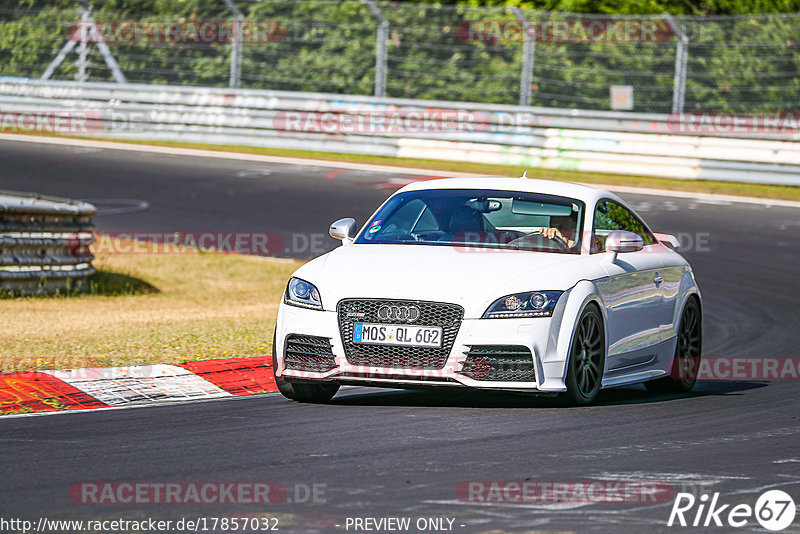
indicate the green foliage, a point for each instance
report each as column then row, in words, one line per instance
column 649, row 7
column 734, row 63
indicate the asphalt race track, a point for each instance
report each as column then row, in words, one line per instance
column 404, row 453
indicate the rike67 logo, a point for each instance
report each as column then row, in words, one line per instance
column 774, row 510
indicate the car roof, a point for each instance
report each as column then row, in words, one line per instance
column 586, row 193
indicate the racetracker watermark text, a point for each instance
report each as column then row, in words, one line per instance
column 560, row 491
column 401, row 121
column 781, row 124
column 254, row 243
column 206, row 493
column 739, row 368
column 51, row 121
column 184, row 32
column 566, row 30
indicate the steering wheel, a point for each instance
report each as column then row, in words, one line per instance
column 562, row 245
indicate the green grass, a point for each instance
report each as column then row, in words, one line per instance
column 144, row 309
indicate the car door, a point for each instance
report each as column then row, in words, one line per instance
column 632, row 294
column 673, row 272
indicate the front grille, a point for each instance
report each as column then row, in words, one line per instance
column 508, row 363
column 448, row 316
column 309, row 353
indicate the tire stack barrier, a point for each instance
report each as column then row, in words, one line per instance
column 44, row 244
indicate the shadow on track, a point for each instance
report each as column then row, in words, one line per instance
column 465, row 398
column 639, row 395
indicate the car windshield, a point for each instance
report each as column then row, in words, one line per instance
column 478, row 218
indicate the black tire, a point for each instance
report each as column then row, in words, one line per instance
column 688, row 351
column 316, row 393
column 587, row 357
column 286, row 388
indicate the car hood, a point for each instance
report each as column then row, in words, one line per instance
column 473, row 278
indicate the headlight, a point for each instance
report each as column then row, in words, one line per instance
column 303, row 294
column 531, row 304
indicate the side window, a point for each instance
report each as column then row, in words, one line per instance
column 610, row 216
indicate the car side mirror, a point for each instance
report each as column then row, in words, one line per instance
column 344, row 229
column 623, row 241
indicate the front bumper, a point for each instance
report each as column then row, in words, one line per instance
column 538, row 335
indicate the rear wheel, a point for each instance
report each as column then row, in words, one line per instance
column 587, row 357
column 322, row 392
column 686, row 362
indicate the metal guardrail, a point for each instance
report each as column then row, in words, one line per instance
column 592, row 141
column 44, row 244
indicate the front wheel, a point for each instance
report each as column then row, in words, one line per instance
column 587, row 357
column 686, row 362
column 316, row 393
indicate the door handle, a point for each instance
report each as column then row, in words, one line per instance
column 657, row 279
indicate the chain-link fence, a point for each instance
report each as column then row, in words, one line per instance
column 491, row 55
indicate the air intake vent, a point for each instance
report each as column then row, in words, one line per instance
column 309, row 353
column 505, row 363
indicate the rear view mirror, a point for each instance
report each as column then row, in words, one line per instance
column 485, row 206
column 344, row 229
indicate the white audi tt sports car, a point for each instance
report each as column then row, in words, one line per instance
column 494, row 283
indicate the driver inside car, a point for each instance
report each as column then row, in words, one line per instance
column 561, row 228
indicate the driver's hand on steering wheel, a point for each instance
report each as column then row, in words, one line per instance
column 550, row 233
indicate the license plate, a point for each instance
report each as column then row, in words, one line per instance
column 398, row 335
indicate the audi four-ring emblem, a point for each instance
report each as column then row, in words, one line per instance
column 399, row 313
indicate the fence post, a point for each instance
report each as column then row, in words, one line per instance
column 83, row 49
column 381, row 52
column 528, row 50
column 681, row 60
column 236, row 46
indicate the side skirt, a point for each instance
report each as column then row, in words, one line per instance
column 640, row 365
